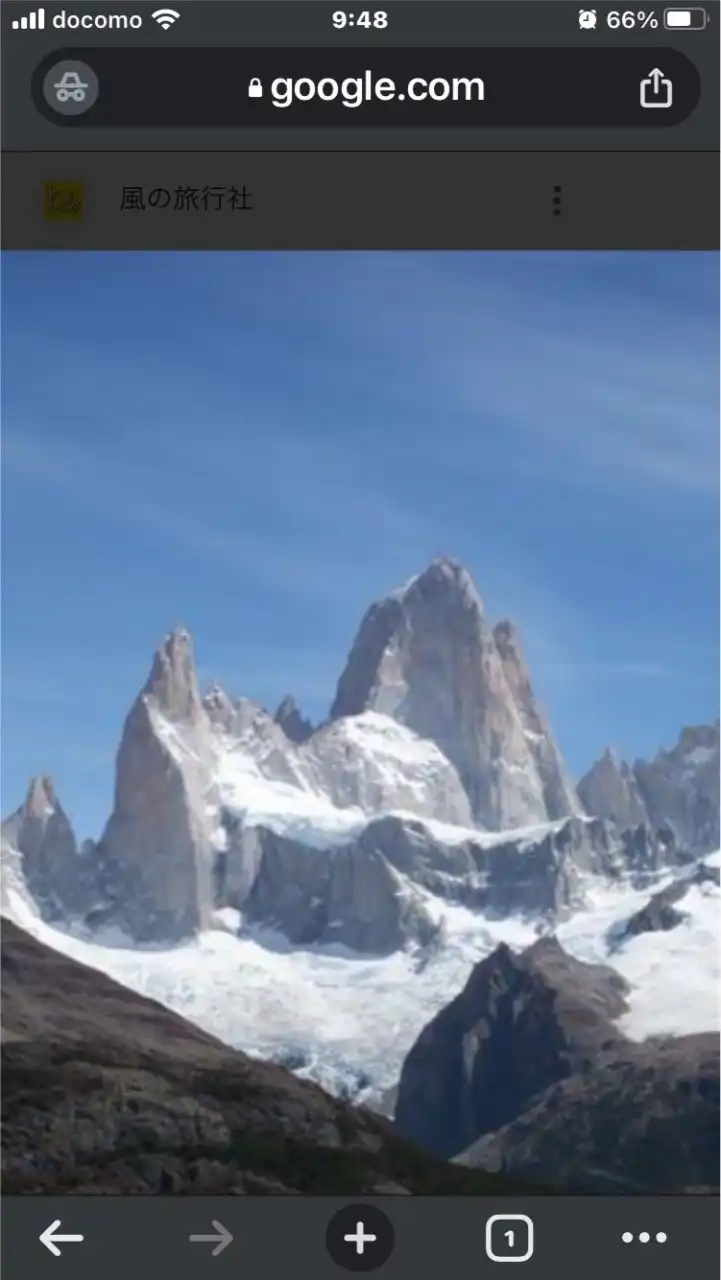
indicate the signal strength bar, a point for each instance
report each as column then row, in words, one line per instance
column 33, row 22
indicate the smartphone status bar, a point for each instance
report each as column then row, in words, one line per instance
column 312, row 22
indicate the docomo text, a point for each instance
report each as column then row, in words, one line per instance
column 65, row 21
column 353, row 91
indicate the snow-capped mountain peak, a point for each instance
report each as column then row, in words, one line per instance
column 427, row 656
column 434, row 723
column 678, row 788
column 172, row 682
column 384, row 851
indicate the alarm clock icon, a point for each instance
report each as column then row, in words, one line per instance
column 587, row 19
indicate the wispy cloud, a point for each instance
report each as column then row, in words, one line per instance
column 635, row 401
column 616, row 384
column 224, row 516
column 348, row 543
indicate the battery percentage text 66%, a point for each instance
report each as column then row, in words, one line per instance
column 631, row 18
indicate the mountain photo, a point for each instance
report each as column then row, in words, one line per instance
column 360, row 722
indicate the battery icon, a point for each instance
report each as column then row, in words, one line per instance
column 684, row 19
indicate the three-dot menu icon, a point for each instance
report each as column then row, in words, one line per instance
column 644, row 1237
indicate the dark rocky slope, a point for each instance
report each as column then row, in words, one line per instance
column 521, row 1023
column 645, row 1121
column 107, row 1092
column 661, row 912
column 527, row 1074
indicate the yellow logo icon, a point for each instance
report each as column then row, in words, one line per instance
column 64, row 201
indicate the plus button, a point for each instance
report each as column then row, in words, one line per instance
column 360, row 1239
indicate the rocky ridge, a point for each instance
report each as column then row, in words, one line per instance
column 40, row 850
column 294, row 725
column 662, row 912
column 527, row 1072
column 522, row 1022
column 678, row 789
column 356, row 831
column 375, row 891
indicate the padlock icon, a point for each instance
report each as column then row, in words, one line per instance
column 255, row 88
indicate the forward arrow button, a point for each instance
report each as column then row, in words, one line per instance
column 221, row 1239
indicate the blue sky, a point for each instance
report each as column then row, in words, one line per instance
column 259, row 445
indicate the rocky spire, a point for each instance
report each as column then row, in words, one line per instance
column 609, row 791
column 40, row 820
column 680, row 787
column 218, row 706
column 41, row 801
column 41, row 834
column 558, row 792
column 392, row 632
column 172, row 683
column 294, row 725
column 157, row 844
column 427, row 657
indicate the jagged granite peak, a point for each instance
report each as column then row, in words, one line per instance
column 173, row 681
column 426, row 656
column 444, row 575
column 243, row 720
column 41, row 838
column 40, row 813
column 253, row 731
column 678, row 789
column 696, row 738
column 40, row 801
column 218, row 706
column 295, row 726
column 609, row 791
column 155, row 855
column 558, row 791
column 681, row 784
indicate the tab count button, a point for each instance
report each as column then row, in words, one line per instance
column 509, row 1237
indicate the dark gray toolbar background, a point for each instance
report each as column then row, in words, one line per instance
column 278, row 1238
column 373, row 201
column 411, row 23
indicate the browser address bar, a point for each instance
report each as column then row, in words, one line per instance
column 217, row 88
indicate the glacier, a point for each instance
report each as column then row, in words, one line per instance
column 347, row 1020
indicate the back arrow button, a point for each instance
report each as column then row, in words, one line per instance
column 51, row 1240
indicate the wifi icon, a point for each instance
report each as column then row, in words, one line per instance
column 165, row 17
